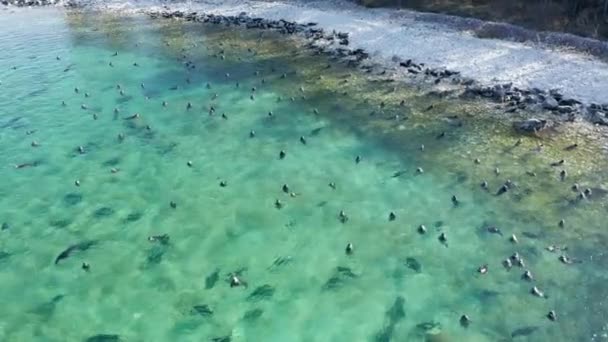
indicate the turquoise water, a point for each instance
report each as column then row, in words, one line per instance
column 298, row 282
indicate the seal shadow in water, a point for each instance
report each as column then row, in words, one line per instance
column 155, row 255
column 132, row 217
column 263, row 292
column 202, row 310
column 103, row 212
column 341, row 276
column 46, row 310
column 253, row 314
column 104, row 338
column 60, row 223
column 72, row 199
column 524, row 331
column 394, row 315
column 212, row 279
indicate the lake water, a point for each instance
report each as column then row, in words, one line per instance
column 198, row 175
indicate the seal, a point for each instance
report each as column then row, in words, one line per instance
column 392, row 216
column 81, row 246
column 349, row 248
column 342, row 216
column 162, row 239
column 421, row 229
column 537, row 292
column 443, row 239
column 465, row 321
column 235, row 281
column 484, row 185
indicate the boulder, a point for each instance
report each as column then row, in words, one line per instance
column 550, row 103
column 599, row 118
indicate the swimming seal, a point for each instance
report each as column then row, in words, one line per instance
column 342, row 216
column 81, row 246
column 443, row 239
column 537, row 292
column 421, row 229
column 465, row 321
column 349, row 248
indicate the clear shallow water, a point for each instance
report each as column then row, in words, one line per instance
column 301, row 286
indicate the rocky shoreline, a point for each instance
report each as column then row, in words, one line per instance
column 336, row 44
column 550, row 104
column 25, row 3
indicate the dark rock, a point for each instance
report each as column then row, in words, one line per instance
column 550, row 103
column 599, row 118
